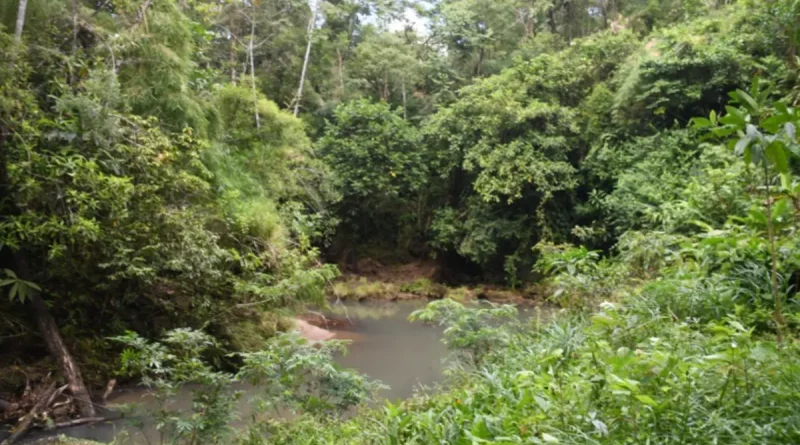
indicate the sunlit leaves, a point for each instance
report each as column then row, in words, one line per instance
column 765, row 132
column 471, row 333
column 18, row 289
column 299, row 375
column 289, row 373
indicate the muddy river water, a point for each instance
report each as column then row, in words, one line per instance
column 405, row 356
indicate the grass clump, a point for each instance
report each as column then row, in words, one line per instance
column 459, row 293
column 362, row 289
column 365, row 289
column 424, row 287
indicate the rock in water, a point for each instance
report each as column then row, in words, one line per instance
column 311, row 332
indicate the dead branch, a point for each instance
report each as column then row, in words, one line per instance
column 109, row 389
column 25, row 423
column 76, row 422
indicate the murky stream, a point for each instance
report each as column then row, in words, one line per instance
column 406, row 356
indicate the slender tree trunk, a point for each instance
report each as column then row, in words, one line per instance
column 479, row 63
column 792, row 35
column 232, row 60
column 531, row 26
column 780, row 321
column 405, row 100
column 570, row 22
column 74, row 28
column 311, row 23
column 23, row 4
column 385, row 90
column 58, row 350
column 253, row 71
column 551, row 19
column 340, row 61
column 48, row 328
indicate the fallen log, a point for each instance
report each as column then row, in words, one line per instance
column 76, row 422
column 25, row 423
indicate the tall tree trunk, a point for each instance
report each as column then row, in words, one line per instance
column 23, row 4
column 780, row 321
column 48, row 328
column 75, row 28
column 405, row 100
column 253, row 70
column 385, row 90
column 479, row 63
column 340, row 61
column 604, row 6
column 55, row 344
column 311, row 23
column 73, row 77
column 232, row 60
column 570, row 22
column 551, row 19
column 530, row 25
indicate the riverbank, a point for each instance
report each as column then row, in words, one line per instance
column 383, row 345
column 388, row 287
column 373, row 281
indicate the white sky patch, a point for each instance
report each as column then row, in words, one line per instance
column 410, row 18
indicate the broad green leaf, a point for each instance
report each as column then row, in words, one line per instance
column 786, row 182
column 722, row 132
column 747, row 101
column 791, row 130
column 734, row 117
column 647, row 400
column 742, row 145
column 549, row 439
column 773, row 123
column 543, row 404
column 776, row 154
column 33, row 285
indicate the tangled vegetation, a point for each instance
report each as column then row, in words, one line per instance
column 179, row 176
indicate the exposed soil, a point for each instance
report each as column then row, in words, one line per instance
column 312, row 333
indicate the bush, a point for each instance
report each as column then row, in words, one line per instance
column 615, row 378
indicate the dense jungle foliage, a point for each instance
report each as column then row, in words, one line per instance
column 177, row 176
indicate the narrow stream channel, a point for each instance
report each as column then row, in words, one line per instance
column 385, row 346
